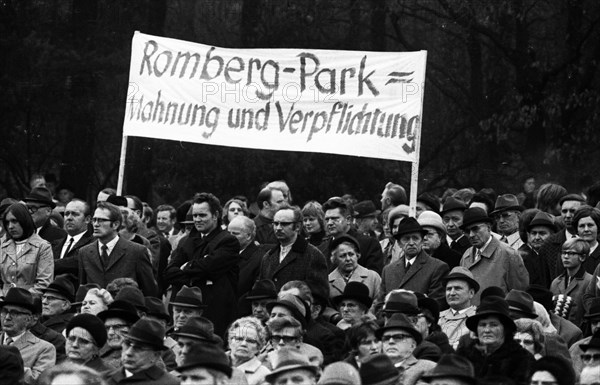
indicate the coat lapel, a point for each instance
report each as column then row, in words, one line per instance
column 286, row 261
column 416, row 266
column 117, row 253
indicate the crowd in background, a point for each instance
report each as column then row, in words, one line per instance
column 470, row 287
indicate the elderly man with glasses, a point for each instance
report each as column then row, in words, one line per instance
column 16, row 314
column 40, row 205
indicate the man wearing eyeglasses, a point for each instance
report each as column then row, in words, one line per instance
column 40, row 204
column 16, row 314
column 592, row 317
column 399, row 340
column 112, row 256
column 56, row 303
column 293, row 258
column 492, row 262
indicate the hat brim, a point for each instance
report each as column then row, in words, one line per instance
column 116, row 313
column 399, row 235
column 271, row 376
column 295, row 312
column 262, row 296
column 479, row 220
column 585, row 347
column 24, row 306
column 522, row 313
column 473, row 320
column 517, row 208
column 401, row 307
column 473, row 283
column 366, row 301
column 158, row 347
column 390, row 381
column 61, row 293
column 413, row 332
column 183, row 304
column 468, row 379
column 369, row 215
column 33, row 200
column 226, row 369
column 593, row 315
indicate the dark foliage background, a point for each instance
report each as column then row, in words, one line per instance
column 512, row 89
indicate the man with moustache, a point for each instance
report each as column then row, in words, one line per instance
column 492, row 263
column 79, row 233
column 293, row 258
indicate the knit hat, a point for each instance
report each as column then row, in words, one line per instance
column 92, row 324
column 562, row 305
column 432, row 219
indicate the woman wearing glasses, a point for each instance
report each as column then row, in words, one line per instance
column 86, row 334
column 247, row 337
column 25, row 259
column 530, row 335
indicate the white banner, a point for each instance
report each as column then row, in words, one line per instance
column 338, row 102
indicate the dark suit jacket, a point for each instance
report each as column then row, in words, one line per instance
column 51, row 233
column 59, row 322
column 55, row 338
column 264, row 231
column 304, row 262
column 249, row 265
column 151, row 376
column 461, row 245
column 127, row 259
column 371, row 255
column 69, row 264
column 537, row 267
column 445, row 254
column 424, row 276
column 213, row 267
column 550, row 252
column 11, row 365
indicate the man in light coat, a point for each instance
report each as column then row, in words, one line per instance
column 16, row 314
column 493, row 263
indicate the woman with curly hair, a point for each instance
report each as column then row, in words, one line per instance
column 530, row 335
column 247, row 336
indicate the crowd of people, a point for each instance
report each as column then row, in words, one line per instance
column 470, row 287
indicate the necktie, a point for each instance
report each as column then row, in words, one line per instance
column 452, row 244
column 104, row 253
column 408, row 265
column 69, row 247
column 504, row 239
column 477, row 255
column 8, row 341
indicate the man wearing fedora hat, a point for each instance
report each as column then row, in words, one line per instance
column 56, row 303
column 205, row 365
column 492, row 263
column 16, row 315
column 186, row 304
column 263, row 291
column 141, row 351
column 292, row 367
column 415, row 270
column 117, row 319
column 460, row 290
column 366, row 218
column 434, row 242
column 537, row 229
column 452, row 216
column 507, row 212
column 399, row 340
column 452, row 369
column 40, row 205
column 379, row 369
